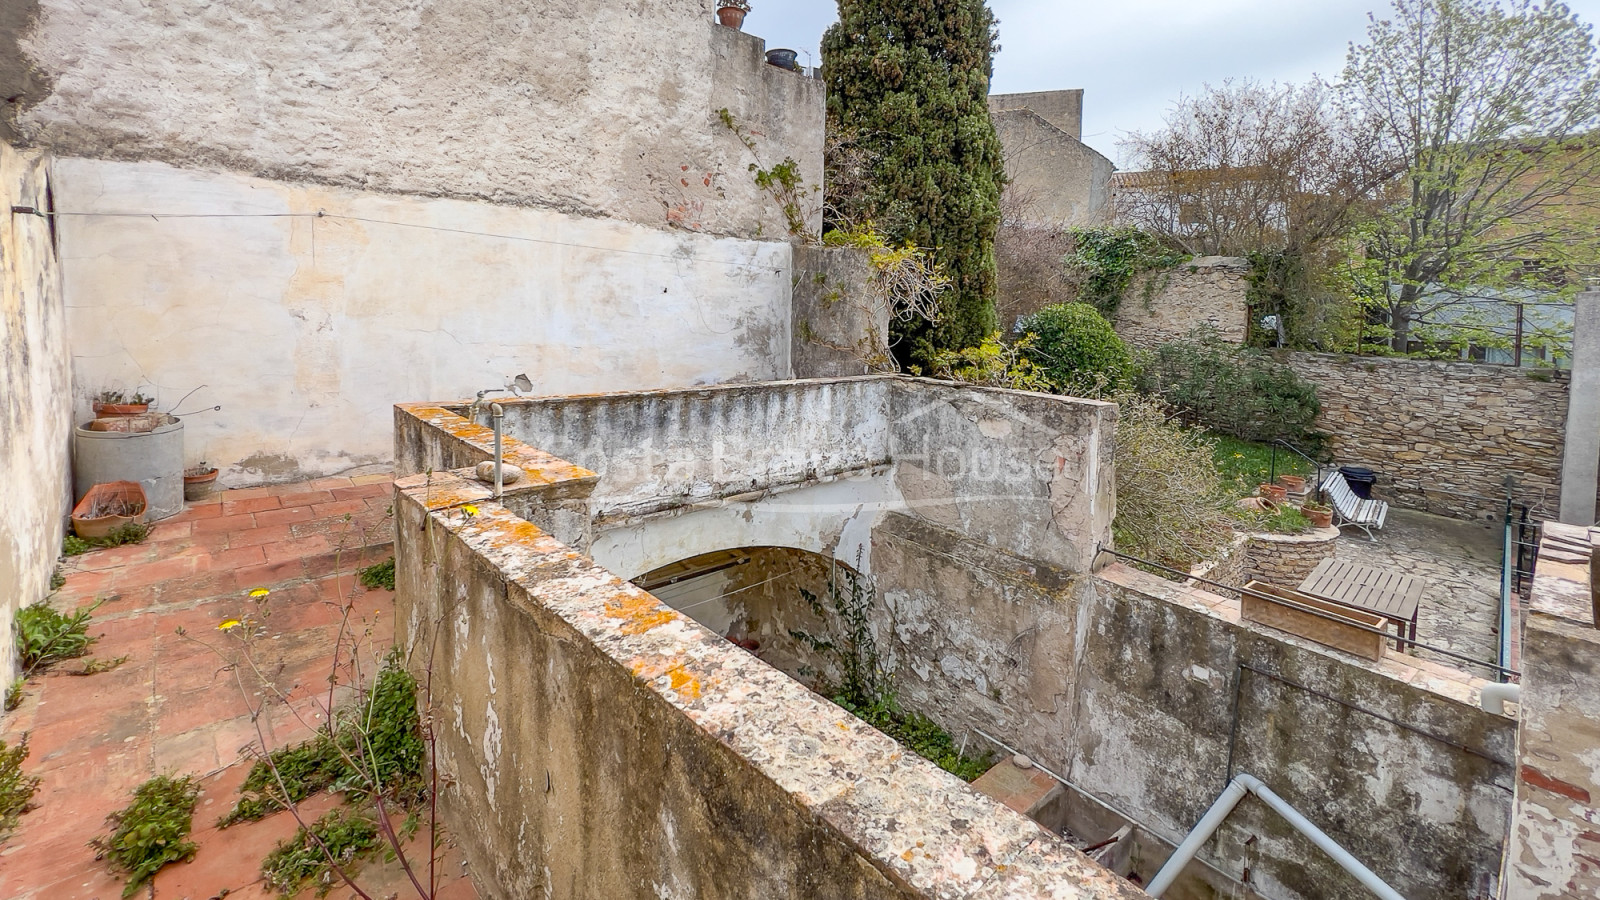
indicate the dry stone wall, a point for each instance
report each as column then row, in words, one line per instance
column 1168, row 304
column 1286, row 559
column 1443, row 436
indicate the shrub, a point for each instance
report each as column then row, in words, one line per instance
column 1171, row 506
column 994, row 363
column 1077, row 350
column 153, row 830
column 1231, row 390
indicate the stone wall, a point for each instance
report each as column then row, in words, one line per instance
column 35, row 394
column 1437, row 431
column 1554, row 852
column 1168, row 304
column 516, row 104
column 1286, row 559
column 1062, row 109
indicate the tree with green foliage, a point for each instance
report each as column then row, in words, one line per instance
column 909, row 81
column 1489, row 112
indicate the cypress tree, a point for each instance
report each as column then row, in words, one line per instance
column 908, row 83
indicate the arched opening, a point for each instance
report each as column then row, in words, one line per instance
column 756, row 598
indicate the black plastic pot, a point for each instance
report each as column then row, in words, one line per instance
column 783, row 59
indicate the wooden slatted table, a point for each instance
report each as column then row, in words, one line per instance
column 1389, row 594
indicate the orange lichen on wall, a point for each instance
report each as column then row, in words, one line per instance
column 642, row 611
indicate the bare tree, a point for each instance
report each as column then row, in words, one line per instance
column 1246, row 166
column 1488, row 111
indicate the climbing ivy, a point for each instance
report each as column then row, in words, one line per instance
column 1105, row 261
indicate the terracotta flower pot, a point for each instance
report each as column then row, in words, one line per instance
column 1276, row 492
column 1321, row 517
column 1295, row 483
column 732, row 16
column 198, row 482
column 102, row 410
column 106, row 507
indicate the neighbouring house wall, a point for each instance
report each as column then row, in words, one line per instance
column 1433, row 428
column 841, row 322
column 636, row 754
column 1062, row 109
column 524, row 104
column 1056, row 179
column 1554, row 852
column 307, row 330
column 35, row 395
column 1169, row 304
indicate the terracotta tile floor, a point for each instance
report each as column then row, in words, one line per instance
column 172, row 709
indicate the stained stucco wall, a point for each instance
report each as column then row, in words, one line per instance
column 1056, row 179
column 307, row 330
column 599, row 112
column 35, row 395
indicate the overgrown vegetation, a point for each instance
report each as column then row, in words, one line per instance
column 16, row 786
column 866, row 687
column 46, row 637
column 131, row 533
column 378, row 576
column 994, row 363
column 153, row 830
column 1077, row 350
column 343, row 834
column 1230, row 390
column 1104, row 261
column 1245, row 464
column 1172, row 507
column 910, row 83
column 375, row 746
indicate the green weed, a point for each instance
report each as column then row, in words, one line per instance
column 16, row 786
column 153, row 830
column 131, row 533
column 378, row 576
column 45, row 637
column 342, row 834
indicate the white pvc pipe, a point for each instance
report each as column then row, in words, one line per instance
column 1230, row 798
column 1495, row 696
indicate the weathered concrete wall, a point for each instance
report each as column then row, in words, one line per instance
column 636, row 754
column 1029, row 473
column 1157, row 730
column 35, row 395
column 307, row 330
column 1555, row 841
column 546, row 104
column 1062, row 109
column 1436, row 430
column 1168, row 304
column 1055, row 179
column 841, row 322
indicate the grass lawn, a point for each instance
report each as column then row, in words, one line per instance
column 1245, row 464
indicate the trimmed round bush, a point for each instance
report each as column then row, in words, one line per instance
column 1078, row 350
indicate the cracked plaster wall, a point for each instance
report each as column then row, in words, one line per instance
column 608, row 112
column 307, row 330
column 35, row 395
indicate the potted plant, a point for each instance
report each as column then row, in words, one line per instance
column 1296, row 484
column 118, row 403
column 198, row 481
column 1320, row 516
column 1277, row 493
column 731, row 13
column 106, row 507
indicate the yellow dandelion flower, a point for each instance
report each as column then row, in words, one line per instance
column 229, row 625
column 259, row 593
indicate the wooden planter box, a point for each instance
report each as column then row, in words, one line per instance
column 1338, row 628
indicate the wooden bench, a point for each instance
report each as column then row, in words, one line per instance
column 1350, row 509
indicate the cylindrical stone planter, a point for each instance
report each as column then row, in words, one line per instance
column 154, row 458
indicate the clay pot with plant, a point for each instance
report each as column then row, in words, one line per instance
column 198, row 481
column 1319, row 515
column 1277, row 493
column 731, row 13
column 120, row 403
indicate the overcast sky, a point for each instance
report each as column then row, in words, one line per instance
column 1134, row 57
